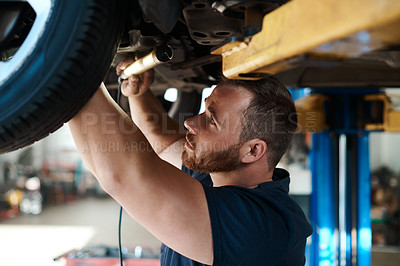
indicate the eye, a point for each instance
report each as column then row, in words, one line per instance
column 212, row 120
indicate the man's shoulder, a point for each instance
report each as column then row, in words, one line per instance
column 203, row 178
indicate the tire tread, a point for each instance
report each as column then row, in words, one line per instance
column 76, row 81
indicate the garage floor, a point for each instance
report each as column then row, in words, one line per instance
column 36, row 239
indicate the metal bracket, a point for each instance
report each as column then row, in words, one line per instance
column 374, row 112
column 391, row 117
column 311, row 114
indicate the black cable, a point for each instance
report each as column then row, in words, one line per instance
column 121, row 258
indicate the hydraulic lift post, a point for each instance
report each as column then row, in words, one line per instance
column 340, row 199
column 341, row 183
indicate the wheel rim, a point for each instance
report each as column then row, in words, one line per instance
column 43, row 9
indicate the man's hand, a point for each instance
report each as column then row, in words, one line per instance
column 151, row 118
column 135, row 85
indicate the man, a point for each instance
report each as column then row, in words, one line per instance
column 245, row 216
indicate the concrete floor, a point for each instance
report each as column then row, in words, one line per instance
column 32, row 240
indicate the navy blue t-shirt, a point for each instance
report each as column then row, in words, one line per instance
column 259, row 226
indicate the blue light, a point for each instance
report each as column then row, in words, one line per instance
column 364, row 37
column 325, row 236
column 325, row 263
column 327, row 246
column 365, row 238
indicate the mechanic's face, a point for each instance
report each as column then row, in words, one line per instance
column 213, row 137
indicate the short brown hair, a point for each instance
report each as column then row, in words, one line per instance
column 270, row 116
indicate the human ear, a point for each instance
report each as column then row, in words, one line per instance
column 252, row 150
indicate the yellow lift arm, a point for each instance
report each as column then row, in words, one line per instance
column 322, row 30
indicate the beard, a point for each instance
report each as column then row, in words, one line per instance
column 226, row 160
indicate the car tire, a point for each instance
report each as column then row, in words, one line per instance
column 67, row 64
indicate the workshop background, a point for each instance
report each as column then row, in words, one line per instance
column 52, row 209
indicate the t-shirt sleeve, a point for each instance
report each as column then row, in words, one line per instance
column 246, row 230
column 203, row 178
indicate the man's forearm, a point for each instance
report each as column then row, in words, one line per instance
column 107, row 138
column 149, row 115
column 166, row 201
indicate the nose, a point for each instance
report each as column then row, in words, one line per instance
column 192, row 124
